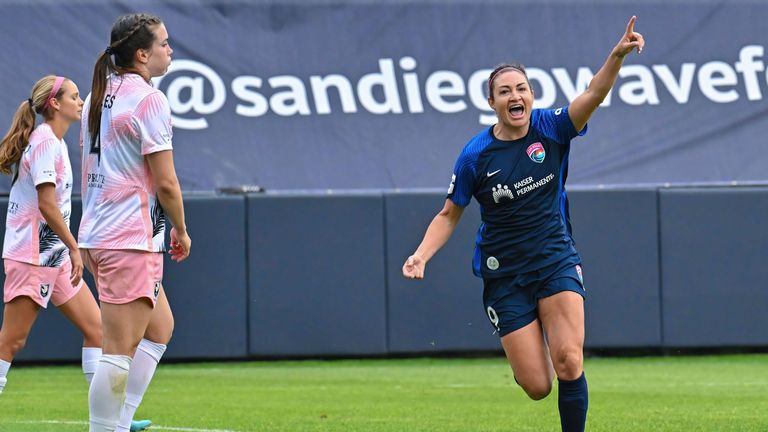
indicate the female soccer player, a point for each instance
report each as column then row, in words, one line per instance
column 129, row 187
column 533, row 288
column 41, row 258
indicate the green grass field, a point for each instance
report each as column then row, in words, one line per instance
column 707, row 393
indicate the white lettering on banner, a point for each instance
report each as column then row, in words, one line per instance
column 196, row 100
column 748, row 67
column 320, row 86
column 679, row 89
column 445, row 91
column 717, row 74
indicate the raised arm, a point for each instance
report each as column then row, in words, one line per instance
column 585, row 104
column 438, row 233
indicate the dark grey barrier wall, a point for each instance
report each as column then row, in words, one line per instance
column 316, row 274
column 207, row 291
column 616, row 233
column 714, row 272
column 444, row 311
column 319, row 274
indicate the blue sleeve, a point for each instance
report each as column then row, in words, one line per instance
column 463, row 179
column 556, row 124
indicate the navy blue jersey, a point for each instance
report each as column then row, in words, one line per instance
column 520, row 187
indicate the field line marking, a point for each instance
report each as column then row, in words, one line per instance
column 153, row 427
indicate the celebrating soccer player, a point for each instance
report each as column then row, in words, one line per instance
column 533, row 286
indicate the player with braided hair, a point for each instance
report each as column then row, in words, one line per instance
column 129, row 188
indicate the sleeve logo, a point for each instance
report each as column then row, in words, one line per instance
column 453, row 183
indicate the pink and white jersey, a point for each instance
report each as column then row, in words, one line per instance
column 120, row 206
column 28, row 238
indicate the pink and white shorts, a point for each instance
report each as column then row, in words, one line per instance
column 41, row 284
column 124, row 275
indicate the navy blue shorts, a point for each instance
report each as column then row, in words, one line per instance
column 511, row 302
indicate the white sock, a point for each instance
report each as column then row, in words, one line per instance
column 107, row 392
column 148, row 355
column 91, row 358
column 4, row 366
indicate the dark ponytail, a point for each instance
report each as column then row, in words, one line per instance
column 98, row 86
column 129, row 33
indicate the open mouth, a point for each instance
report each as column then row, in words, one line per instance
column 516, row 110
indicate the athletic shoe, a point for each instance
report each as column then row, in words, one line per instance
column 140, row 425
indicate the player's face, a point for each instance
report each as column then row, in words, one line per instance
column 70, row 105
column 159, row 55
column 512, row 99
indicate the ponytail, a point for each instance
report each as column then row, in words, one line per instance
column 17, row 137
column 129, row 33
column 100, row 71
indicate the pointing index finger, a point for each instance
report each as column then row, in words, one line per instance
column 631, row 25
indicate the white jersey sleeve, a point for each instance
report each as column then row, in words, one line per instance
column 152, row 120
column 42, row 162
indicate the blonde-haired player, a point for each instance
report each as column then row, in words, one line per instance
column 40, row 256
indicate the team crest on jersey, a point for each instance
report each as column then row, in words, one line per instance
column 157, row 289
column 45, row 289
column 536, row 152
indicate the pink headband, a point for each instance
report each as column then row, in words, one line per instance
column 54, row 90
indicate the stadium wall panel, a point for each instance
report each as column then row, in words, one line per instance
column 444, row 311
column 316, row 275
column 616, row 233
column 714, row 272
column 207, row 291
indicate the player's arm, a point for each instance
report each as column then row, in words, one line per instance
column 169, row 194
column 582, row 107
column 438, row 233
column 46, row 202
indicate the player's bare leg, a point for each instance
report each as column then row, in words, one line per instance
column 82, row 311
column 529, row 358
column 18, row 317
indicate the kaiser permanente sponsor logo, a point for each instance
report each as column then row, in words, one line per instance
column 195, row 90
